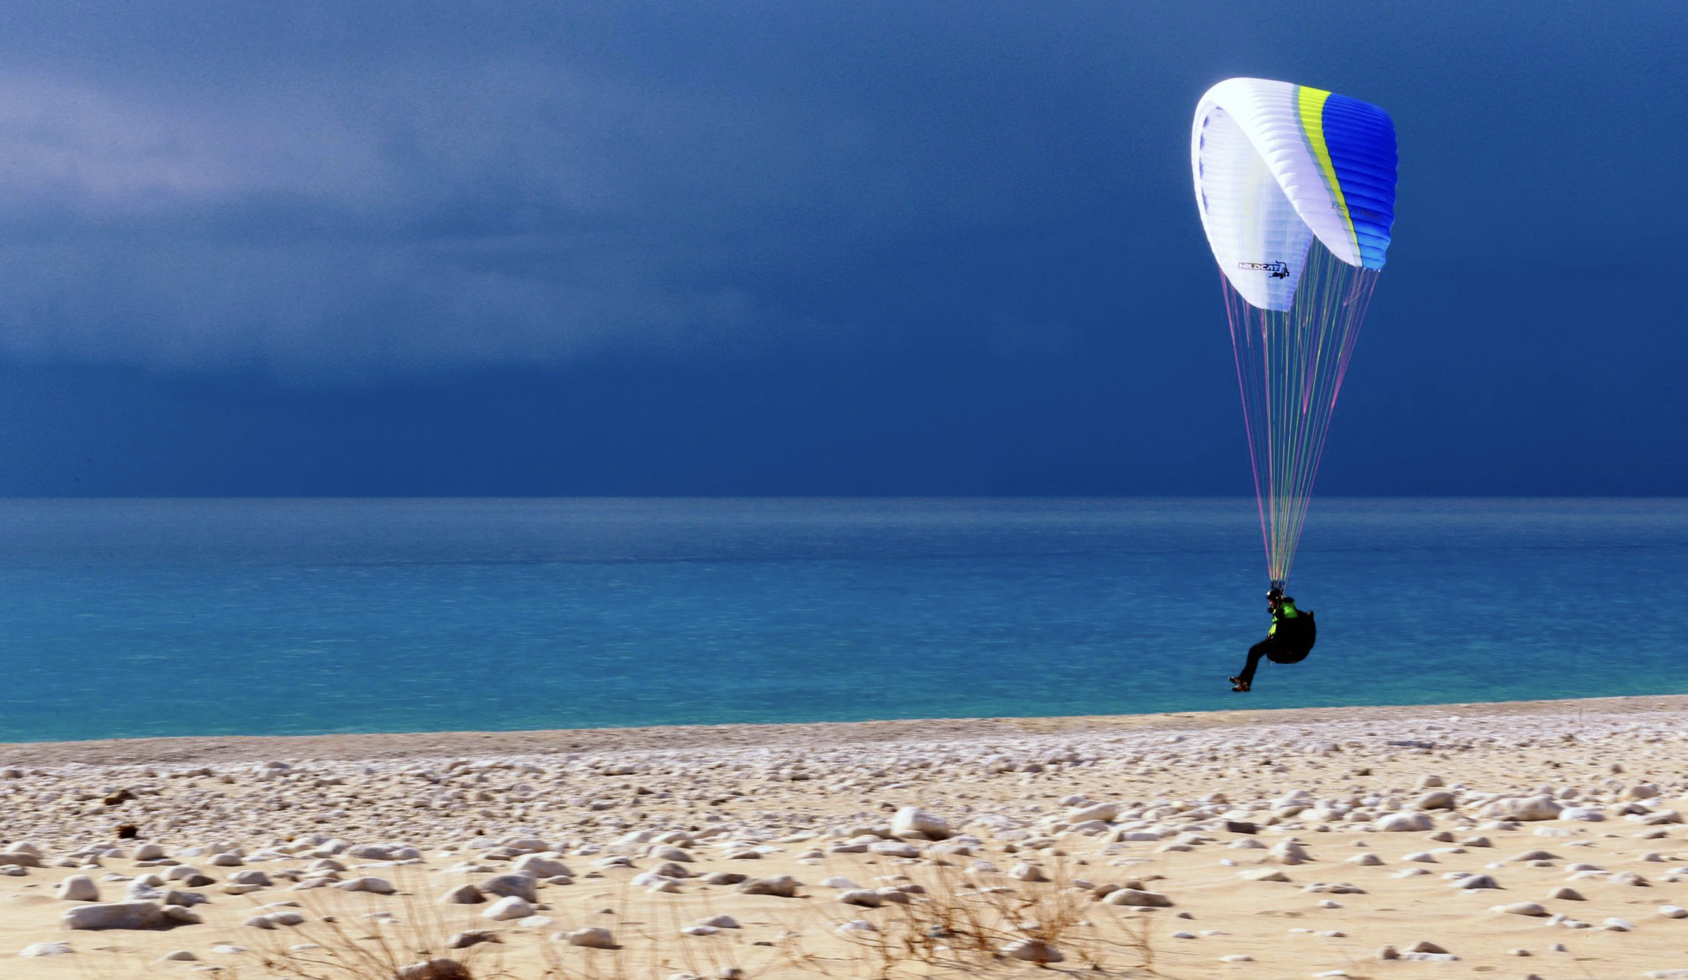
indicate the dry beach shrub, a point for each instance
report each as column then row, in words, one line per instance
column 650, row 945
column 953, row 923
column 340, row 941
column 344, row 938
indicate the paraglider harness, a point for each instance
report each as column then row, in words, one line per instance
column 1293, row 631
column 1288, row 641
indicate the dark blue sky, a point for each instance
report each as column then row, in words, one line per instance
column 806, row 248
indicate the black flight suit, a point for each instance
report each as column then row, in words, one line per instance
column 1288, row 641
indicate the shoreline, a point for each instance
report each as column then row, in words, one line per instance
column 399, row 746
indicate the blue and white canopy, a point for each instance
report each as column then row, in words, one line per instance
column 1277, row 165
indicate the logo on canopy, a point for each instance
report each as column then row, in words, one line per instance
column 1279, row 270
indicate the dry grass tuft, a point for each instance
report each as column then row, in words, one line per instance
column 336, row 942
column 993, row 925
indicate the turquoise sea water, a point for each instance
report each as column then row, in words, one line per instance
column 175, row 617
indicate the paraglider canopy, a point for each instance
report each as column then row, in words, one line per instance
column 1277, row 165
column 1296, row 190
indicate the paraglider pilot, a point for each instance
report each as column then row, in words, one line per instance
column 1288, row 641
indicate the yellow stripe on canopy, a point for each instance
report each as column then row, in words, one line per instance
column 1311, row 104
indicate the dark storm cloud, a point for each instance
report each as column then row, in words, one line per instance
column 324, row 187
column 434, row 185
column 225, row 195
column 759, row 247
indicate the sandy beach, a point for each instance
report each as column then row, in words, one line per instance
column 1514, row 840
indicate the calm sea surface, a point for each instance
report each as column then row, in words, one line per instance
column 160, row 617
